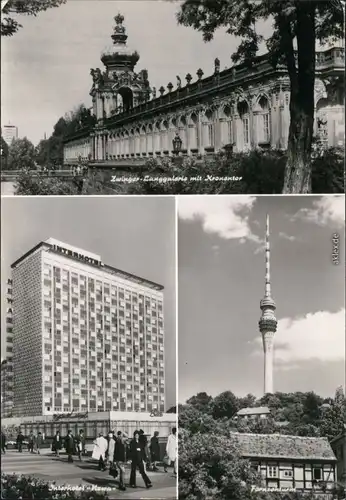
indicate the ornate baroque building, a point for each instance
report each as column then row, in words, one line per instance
column 242, row 107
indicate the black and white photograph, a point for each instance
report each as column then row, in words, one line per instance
column 261, row 350
column 88, row 369
column 172, row 97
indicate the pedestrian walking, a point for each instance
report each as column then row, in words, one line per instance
column 31, row 442
column 57, row 443
column 155, row 450
column 171, row 450
column 39, row 442
column 144, row 442
column 138, row 456
column 120, row 458
column 70, row 446
column 3, row 442
column 110, row 448
column 20, row 439
column 99, row 451
column 80, row 444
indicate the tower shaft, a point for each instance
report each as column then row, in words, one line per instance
column 268, row 322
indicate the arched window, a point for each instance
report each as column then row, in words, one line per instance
column 183, row 131
column 244, row 113
column 264, row 125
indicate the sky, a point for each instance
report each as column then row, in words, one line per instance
column 221, row 282
column 133, row 234
column 45, row 68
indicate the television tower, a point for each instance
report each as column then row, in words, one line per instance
column 268, row 322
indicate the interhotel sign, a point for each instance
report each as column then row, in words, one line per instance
column 77, row 255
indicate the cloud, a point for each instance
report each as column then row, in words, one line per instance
column 326, row 210
column 319, row 335
column 225, row 216
column 287, row 236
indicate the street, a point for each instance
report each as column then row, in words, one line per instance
column 49, row 468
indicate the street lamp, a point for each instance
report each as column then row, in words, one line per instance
column 177, row 143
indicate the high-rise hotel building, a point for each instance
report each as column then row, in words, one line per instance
column 87, row 336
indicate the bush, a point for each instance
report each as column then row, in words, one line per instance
column 40, row 185
column 328, row 171
column 14, row 487
column 261, row 172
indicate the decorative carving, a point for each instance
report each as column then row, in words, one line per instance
column 188, row 78
column 153, row 92
column 200, row 74
column 217, row 65
column 178, row 82
column 162, row 90
column 170, row 87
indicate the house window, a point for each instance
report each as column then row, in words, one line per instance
column 273, row 471
column 246, row 131
column 317, row 474
column 288, row 473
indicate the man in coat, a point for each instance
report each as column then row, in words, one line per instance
column 155, row 450
column 70, row 446
column 120, row 458
column 171, row 449
column 39, row 442
column 20, row 439
column 31, row 442
column 57, row 443
column 99, row 451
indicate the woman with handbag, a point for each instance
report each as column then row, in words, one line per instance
column 138, row 457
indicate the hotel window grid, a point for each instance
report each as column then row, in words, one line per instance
column 82, row 340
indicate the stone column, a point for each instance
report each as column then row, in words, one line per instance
column 258, row 134
column 281, row 126
column 236, row 132
column 217, row 132
column 200, row 134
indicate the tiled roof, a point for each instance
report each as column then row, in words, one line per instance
column 260, row 410
column 282, row 446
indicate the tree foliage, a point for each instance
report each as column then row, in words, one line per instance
column 50, row 152
column 21, row 154
column 10, row 25
column 259, row 172
column 4, row 153
column 303, row 22
column 27, row 184
column 210, row 468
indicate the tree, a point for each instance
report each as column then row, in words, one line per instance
column 210, row 467
column 4, row 153
column 293, row 20
column 21, row 155
column 10, row 26
column 201, row 401
column 225, row 405
column 334, row 417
